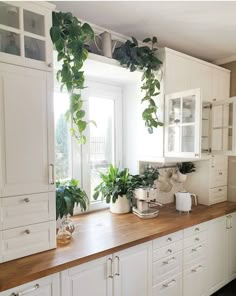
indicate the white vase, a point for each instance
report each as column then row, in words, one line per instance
column 121, row 205
column 181, row 178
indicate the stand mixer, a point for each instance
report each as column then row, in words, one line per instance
column 145, row 199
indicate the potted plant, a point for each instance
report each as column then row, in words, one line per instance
column 116, row 188
column 183, row 169
column 68, row 195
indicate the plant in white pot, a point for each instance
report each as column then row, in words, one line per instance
column 116, row 188
column 183, row 169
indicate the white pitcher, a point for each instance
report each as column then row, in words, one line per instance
column 107, row 44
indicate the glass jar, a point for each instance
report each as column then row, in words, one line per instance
column 64, row 235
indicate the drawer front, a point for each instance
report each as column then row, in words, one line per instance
column 170, row 287
column 219, row 162
column 167, row 250
column 167, row 239
column 167, row 267
column 195, row 280
column 218, row 178
column 195, row 229
column 1, row 256
column 194, row 239
column 194, row 252
column 218, row 194
column 28, row 209
column 24, row 241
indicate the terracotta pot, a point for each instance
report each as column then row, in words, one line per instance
column 121, row 206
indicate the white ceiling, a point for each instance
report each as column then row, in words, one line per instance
column 205, row 30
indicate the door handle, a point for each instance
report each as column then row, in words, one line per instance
column 51, row 174
column 117, row 259
column 169, row 284
column 27, row 291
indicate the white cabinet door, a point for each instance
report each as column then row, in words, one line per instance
column 182, row 124
column 133, row 271
column 48, row 286
column 231, row 252
column 26, row 131
column 216, row 254
column 91, row 278
column 220, row 84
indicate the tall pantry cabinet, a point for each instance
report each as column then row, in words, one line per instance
column 27, row 189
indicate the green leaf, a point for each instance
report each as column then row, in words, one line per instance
column 60, row 56
column 80, row 114
column 81, row 125
column 55, row 33
column 154, row 40
column 135, row 41
column 88, row 30
column 146, row 40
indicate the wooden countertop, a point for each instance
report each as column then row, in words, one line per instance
column 102, row 233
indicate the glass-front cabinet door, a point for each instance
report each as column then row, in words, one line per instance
column 182, row 124
column 24, row 33
column 223, row 123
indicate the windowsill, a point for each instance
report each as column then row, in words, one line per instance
column 93, row 207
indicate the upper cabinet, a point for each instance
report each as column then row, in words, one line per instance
column 182, row 124
column 24, row 34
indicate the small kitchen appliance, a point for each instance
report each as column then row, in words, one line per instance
column 145, row 200
column 184, row 201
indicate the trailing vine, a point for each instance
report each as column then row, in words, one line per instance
column 143, row 58
column 70, row 38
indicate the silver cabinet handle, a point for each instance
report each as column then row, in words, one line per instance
column 26, row 200
column 172, row 282
column 197, row 249
column 50, row 65
column 169, row 261
column 197, row 239
column 197, row 269
column 110, row 268
column 51, row 174
column 27, row 291
column 27, row 231
column 117, row 273
column 197, row 229
column 169, row 251
column 220, row 173
column 169, row 239
column 219, row 189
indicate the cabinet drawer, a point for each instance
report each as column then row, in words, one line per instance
column 218, row 194
column 170, row 287
column 167, row 250
column 218, row 178
column 167, row 267
column 1, row 257
column 195, row 229
column 194, row 239
column 194, row 252
column 24, row 241
column 28, row 209
column 167, row 239
column 218, row 163
column 195, row 280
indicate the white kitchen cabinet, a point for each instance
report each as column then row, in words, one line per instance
column 182, row 124
column 47, row 286
column 217, row 254
column 126, row 273
column 24, row 34
column 220, row 84
column 92, row 278
column 231, row 246
column 27, row 131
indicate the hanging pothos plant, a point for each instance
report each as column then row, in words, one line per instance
column 143, row 58
column 70, row 38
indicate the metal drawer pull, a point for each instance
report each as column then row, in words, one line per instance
column 220, row 173
column 197, row 269
column 197, row 229
column 169, row 261
column 118, row 266
column 169, row 251
column 197, row 239
column 169, row 239
column 196, row 249
column 219, row 189
column 51, row 174
column 110, row 275
column 169, row 284
column 36, row 287
column 26, row 199
column 27, row 231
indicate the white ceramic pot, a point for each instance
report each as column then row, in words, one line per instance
column 179, row 177
column 121, row 206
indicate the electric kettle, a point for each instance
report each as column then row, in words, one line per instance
column 184, row 201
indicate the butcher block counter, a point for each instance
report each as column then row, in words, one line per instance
column 101, row 233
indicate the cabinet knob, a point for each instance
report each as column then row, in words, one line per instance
column 169, row 251
column 220, row 173
column 27, row 231
column 50, row 65
column 169, row 239
column 26, row 200
column 214, row 99
column 219, row 189
column 197, row 229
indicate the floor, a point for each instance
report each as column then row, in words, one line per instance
column 229, row 290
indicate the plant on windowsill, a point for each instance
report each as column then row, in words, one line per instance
column 183, row 169
column 143, row 58
column 68, row 195
column 70, row 38
column 116, row 188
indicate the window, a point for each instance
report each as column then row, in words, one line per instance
column 85, row 162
